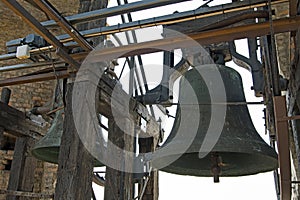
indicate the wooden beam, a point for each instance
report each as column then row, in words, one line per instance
column 26, row 194
column 293, row 8
column 106, row 88
column 15, row 122
column 5, row 96
column 23, row 167
column 75, row 164
column 118, row 182
column 152, row 189
column 149, row 144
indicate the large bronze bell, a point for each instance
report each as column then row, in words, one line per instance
column 238, row 151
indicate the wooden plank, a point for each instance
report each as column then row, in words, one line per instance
column 293, row 7
column 119, row 183
column 18, row 162
column 2, row 138
column 5, row 96
column 22, row 168
column 26, row 194
column 75, row 164
column 152, row 189
column 282, row 135
column 15, row 122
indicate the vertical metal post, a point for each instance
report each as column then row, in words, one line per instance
column 282, row 134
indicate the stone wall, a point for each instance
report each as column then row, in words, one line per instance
column 25, row 96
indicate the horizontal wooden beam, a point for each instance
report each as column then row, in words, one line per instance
column 106, row 88
column 15, row 122
column 26, row 194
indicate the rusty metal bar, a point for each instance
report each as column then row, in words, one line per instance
column 34, row 78
column 113, row 11
column 51, row 11
column 204, row 38
column 147, row 4
column 296, row 117
column 36, row 25
column 208, row 37
column 168, row 19
column 282, row 135
column 7, row 56
column 29, row 65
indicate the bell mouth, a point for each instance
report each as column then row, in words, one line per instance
column 231, row 164
column 48, row 154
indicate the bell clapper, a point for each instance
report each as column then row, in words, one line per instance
column 216, row 169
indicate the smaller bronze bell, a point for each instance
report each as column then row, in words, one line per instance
column 47, row 148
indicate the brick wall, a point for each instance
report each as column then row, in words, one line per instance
column 25, row 96
column 5, row 160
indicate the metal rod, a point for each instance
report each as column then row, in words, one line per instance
column 207, row 37
column 167, row 19
column 162, row 20
column 28, row 65
column 171, row 19
column 34, row 78
column 51, row 11
column 41, row 30
column 223, row 103
column 273, row 54
column 117, row 10
column 155, row 21
column 7, row 56
column 140, row 61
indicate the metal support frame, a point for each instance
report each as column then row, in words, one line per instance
column 113, row 11
column 29, row 65
column 172, row 18
column 164, row 20
column 41, row 30
column 51, row 11
column 282, row 134
column 251, row 63
column 207, row 37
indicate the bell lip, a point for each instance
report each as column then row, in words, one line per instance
column 36, row 152
column 271, row 161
